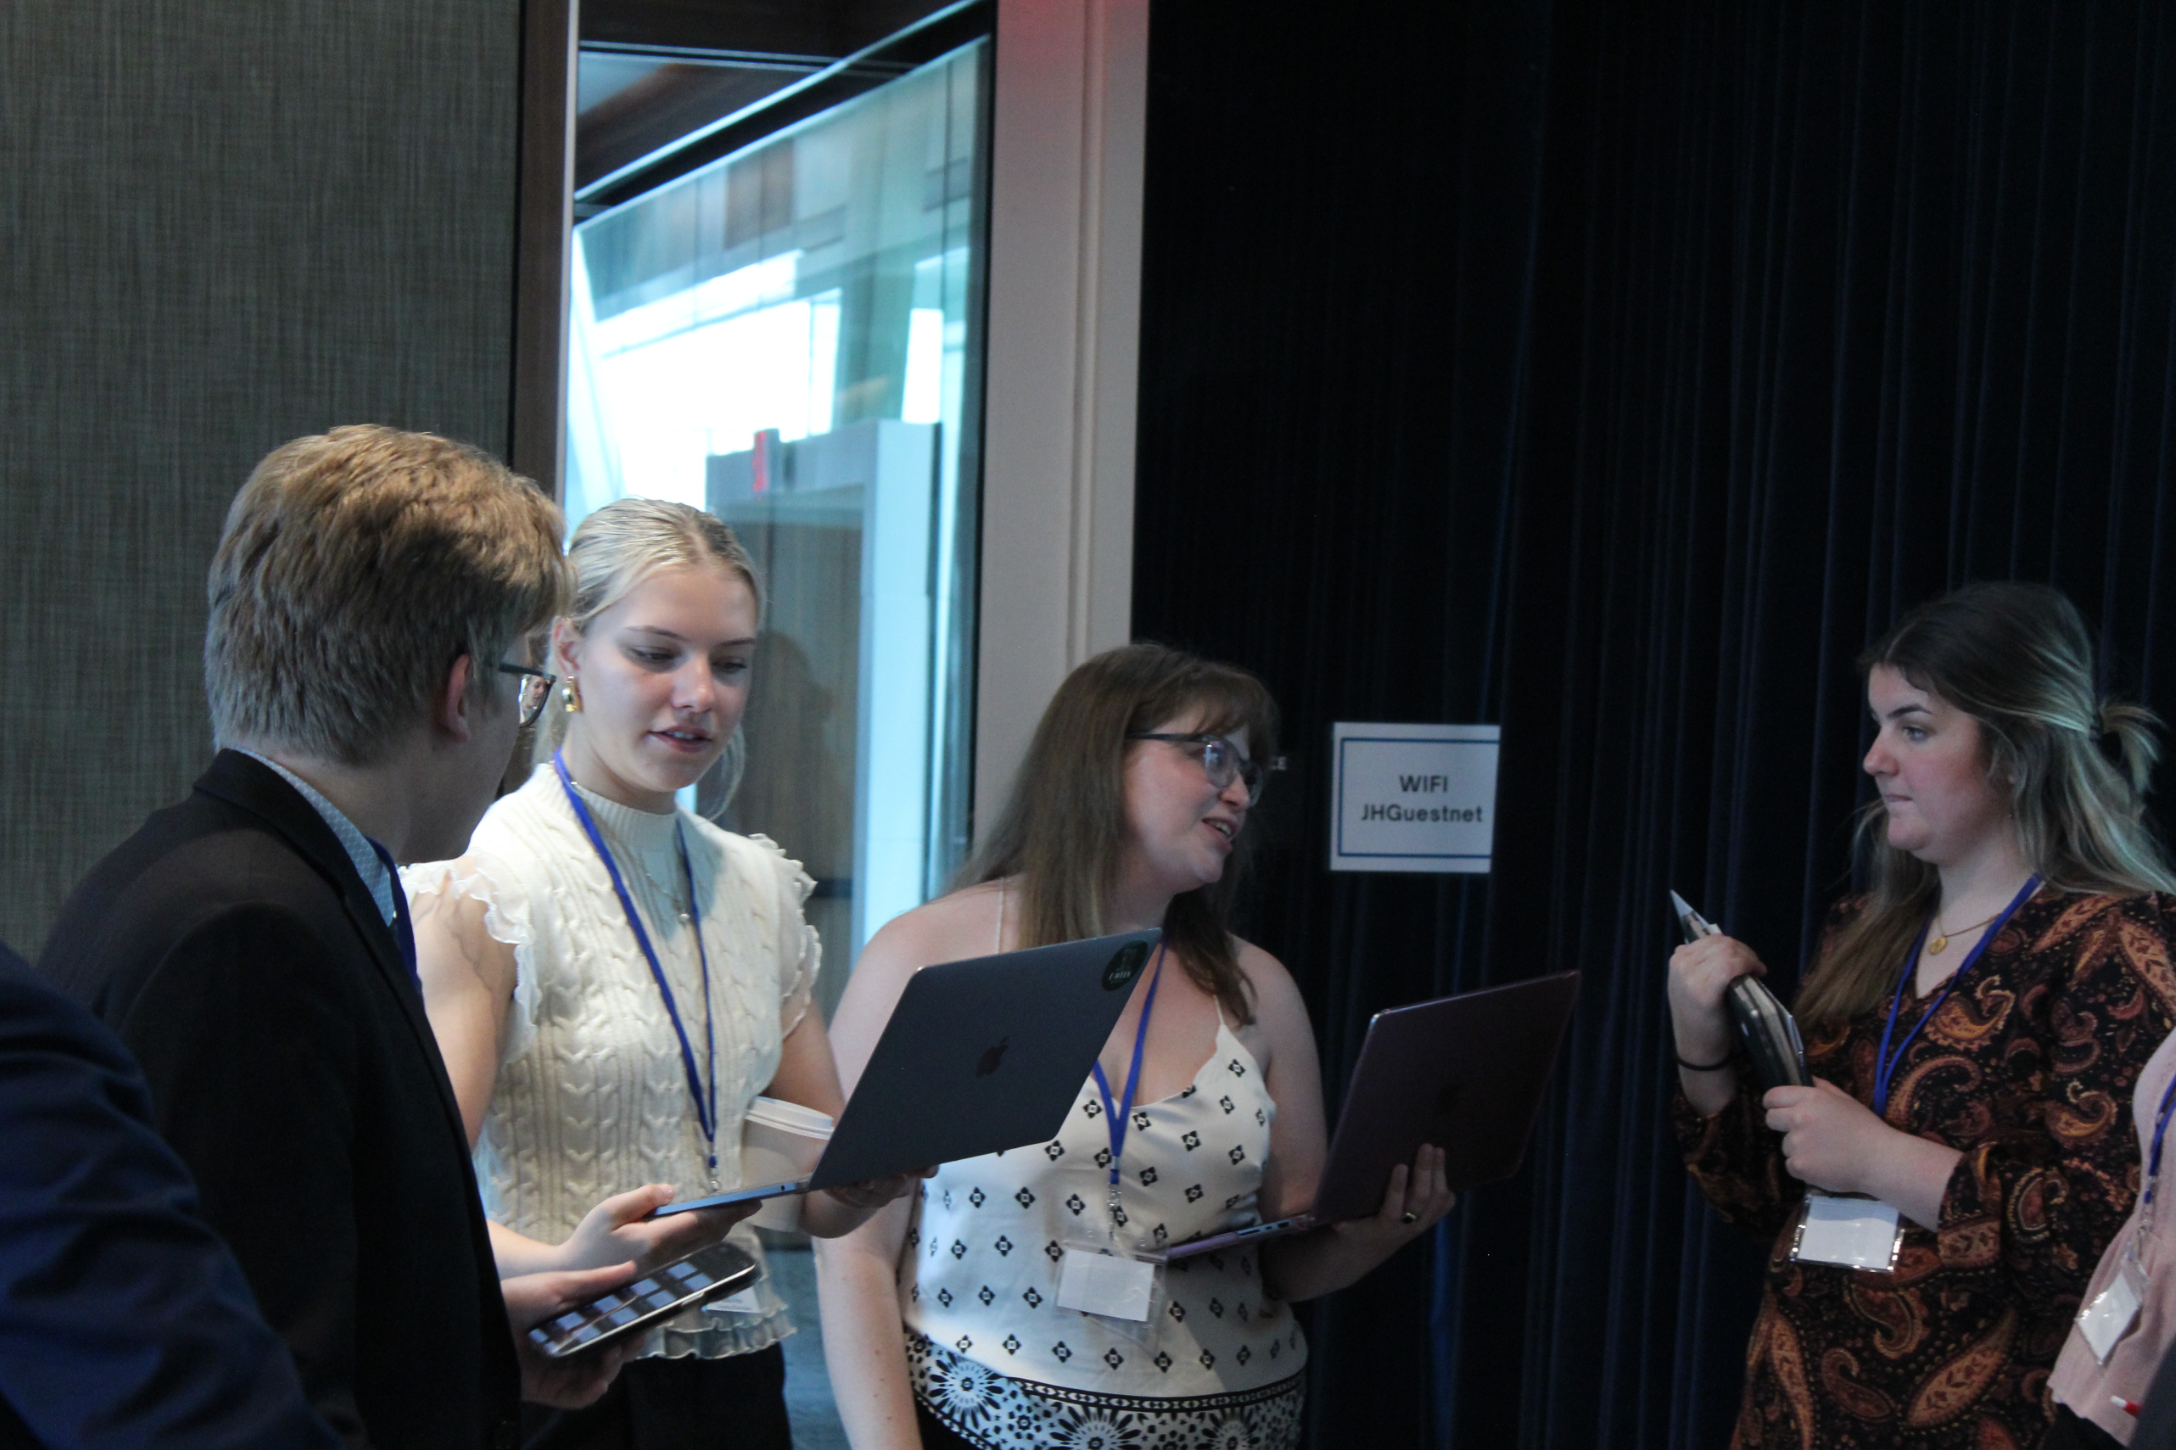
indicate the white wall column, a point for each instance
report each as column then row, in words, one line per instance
column 1069, row 125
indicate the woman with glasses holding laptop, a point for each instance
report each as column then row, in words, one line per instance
column 613, row 980
column 1013, row 1302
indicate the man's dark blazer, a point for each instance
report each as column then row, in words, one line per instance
column 235, row 950
column 124, row 1321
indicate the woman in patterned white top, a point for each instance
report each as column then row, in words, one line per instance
column 593, row 1054
column 943, row 1320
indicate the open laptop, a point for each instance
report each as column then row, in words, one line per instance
column 979, row 1056
column 1465, row 1073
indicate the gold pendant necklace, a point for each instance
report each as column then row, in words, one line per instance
column 1941, row 938
column 668, row 890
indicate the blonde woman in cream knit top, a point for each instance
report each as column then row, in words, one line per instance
column 601, row 1044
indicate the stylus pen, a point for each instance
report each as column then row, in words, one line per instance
column 1694, row 925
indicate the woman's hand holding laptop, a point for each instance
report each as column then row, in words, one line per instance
column 1342, row 1252
column 1418, row 1196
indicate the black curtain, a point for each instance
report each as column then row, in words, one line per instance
column 1615, row 373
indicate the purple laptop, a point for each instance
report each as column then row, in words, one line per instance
column 1465, row 1073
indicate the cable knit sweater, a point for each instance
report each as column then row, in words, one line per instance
column 592, row 1096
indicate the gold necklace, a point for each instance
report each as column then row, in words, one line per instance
column 1941, row 937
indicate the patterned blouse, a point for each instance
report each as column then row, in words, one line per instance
column 991, row 1354
column 2027, row 1068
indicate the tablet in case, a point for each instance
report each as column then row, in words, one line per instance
column 1765, row 1025
column 1770, row 1035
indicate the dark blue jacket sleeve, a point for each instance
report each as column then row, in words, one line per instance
column 124, row 1320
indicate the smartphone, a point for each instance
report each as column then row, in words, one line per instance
column 700, row 1277
column 738, row 1195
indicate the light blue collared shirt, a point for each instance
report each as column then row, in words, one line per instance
column 376, row 878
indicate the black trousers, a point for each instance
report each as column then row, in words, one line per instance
column 735, row 1403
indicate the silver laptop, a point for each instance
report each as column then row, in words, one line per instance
column 979, row 1056
column 1465, row 1073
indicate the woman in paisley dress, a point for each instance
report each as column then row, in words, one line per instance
column 613, row 980
column 943, row 1324
column 1976, row 1024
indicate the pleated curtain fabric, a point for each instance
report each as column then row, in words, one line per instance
column 1617, row 373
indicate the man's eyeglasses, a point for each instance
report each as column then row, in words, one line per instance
column 1220, row 761
column 536, row 688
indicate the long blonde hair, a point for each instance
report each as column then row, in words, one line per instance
column 1063, row 828
column 2018, row 660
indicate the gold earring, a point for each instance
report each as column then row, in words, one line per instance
column 572, row 694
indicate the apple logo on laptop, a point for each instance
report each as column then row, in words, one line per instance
column 1125, row 965
column 993, row 1057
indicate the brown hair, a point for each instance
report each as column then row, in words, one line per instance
column 1063, row 829
column 354, row 569
column 2018, row 660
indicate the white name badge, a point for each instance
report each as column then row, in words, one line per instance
column 1106, row 1284
column 2114, row 1309
column 1851, row 1233
column 2108, row 1318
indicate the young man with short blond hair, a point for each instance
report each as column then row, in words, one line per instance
column 368, row 665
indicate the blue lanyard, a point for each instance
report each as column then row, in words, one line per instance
column 706, row 1115
column 2153, row 1159
column 1885, row 1064
column 1117, row 1118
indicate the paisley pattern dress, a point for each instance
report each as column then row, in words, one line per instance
column 2027, row 1068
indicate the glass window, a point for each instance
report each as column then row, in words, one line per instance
column 790, row 337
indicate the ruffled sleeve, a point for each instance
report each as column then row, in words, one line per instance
column 800, row 952
column 507, row 920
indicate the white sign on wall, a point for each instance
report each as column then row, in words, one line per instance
column 1412, row 797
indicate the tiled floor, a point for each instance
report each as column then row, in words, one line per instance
column 808, row 1386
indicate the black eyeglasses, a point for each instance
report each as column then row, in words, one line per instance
column 1221, row 761
column 536, row 688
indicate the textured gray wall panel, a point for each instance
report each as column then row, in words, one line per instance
column 221, row 225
